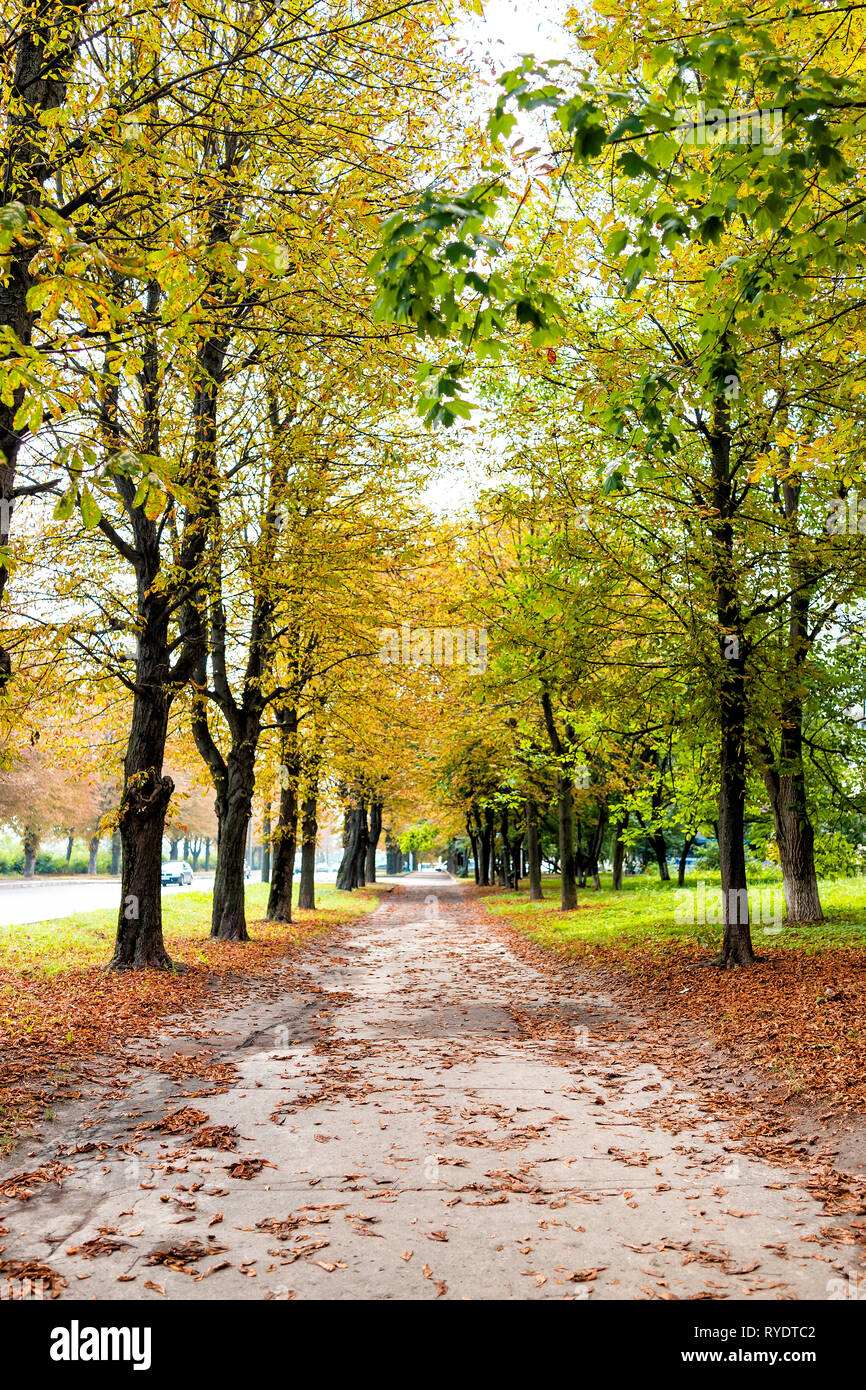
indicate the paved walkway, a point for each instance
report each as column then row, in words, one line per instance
column 410, row 1109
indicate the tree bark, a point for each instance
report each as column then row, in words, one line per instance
column 373, row 840
column 619, row 853
column 737, row 947
column 266, row 843
column 795, row 833
column 286, row 834
column 93, row 853
column 309, row 836
column 349, row 874
column 234, row 805
column 681, row 871
column 30, row 841
column 115, row 853
column 595, row 843
column 145, row 796
column 504, row 855
column 533, row 851
column 660, row 850
column 565, row 799
column 473, row 840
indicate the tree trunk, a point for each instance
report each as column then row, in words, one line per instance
column 681, row 872
column 595, row 844
column 473, row 840
column 234, row 810
column 354, row 848
column 207, row 854
column 786, row 780
column 565, row 798
column 795, row 837
column 93, row 853
column 144, row 801
column 619, row 853
column 660, row 850
column 737, row 942
column 115, row 852
column 504, row 858
column 309, row 835
column 580, row 862
column 534, row 852
column 266, row 843
column 373, row 840
column 487, row 838
column 286, row 834
column 70, row 842
column 31, row 849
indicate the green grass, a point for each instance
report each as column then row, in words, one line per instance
column 87, row 938
column 643, row 915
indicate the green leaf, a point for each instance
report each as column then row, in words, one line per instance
column 90, row 513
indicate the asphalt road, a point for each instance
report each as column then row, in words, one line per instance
column 42, row 899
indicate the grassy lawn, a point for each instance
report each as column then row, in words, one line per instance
column 87, row 938
column 644, row 915
column 798, row 1012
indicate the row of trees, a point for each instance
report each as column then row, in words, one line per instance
column 667, row 322
column 190, row 372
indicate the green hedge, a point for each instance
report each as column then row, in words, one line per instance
column 13, row 862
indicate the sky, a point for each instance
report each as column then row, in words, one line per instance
column 506, row 31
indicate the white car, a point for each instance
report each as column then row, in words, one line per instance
column 176, row 871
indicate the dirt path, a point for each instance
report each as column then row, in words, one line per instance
column 436, row 1117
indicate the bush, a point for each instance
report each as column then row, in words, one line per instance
column 12, row 862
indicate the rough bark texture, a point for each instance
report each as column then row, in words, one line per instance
column 350, row 874
column 487, row 837
column 785, row 777
column 660, row 850
column 115, row 853
column 795, row 833
column 266, row 843
column 686, row 849
column 505, row 853
column 619, row 852
column 737, row 943
column 567, row 863
column 565, row 806
column 309, row 835
column 146, row 793
column 533, row 851
column 31, row 849
column 375, row 830
column 234, row 806
column 285, row 835
column 595, row 844
column 473, row 840
column 92, row 855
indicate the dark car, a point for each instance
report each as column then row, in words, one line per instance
column 176, row 871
